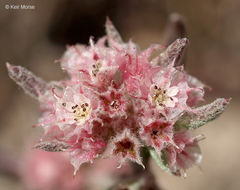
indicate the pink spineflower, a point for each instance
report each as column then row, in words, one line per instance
column 76, row 106
column 118, row 100
column 101, row 64
column 168, row 94
column 84, row 148
column 186, row 154
column 125, row 146
column 114, row 102
column 69, row 107
column 158, row 134
column 137, row 71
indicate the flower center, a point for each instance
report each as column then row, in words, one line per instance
column 159, row 96
column 159, row 131
column 124, row 146
column 80, row 112
column 96, row 68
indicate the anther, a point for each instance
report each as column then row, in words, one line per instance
column 74, row 107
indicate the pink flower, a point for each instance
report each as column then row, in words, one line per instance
column 125, row 146
column 119, row 99
column 185, row 155
column 102, row 63
column 168, row 94
column 158, row 134
column 75, row 106
column 114, row 102
column 137, row 71
column 84, row 149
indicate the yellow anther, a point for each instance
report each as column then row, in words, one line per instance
column 81, row 112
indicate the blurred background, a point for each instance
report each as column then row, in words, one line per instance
column 36, row 38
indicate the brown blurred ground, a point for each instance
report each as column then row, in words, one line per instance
column 35, row 38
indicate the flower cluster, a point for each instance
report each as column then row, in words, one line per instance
column 119, row 99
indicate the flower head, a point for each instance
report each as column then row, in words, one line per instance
column 119, row 99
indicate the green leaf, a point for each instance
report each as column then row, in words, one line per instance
column 161, row 162
column 202, row 115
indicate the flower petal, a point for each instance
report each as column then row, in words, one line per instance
column 169, row 103
column 172, row 91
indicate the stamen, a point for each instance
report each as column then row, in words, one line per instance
column 161, row 97
column 81, row 112
column 96, row 68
